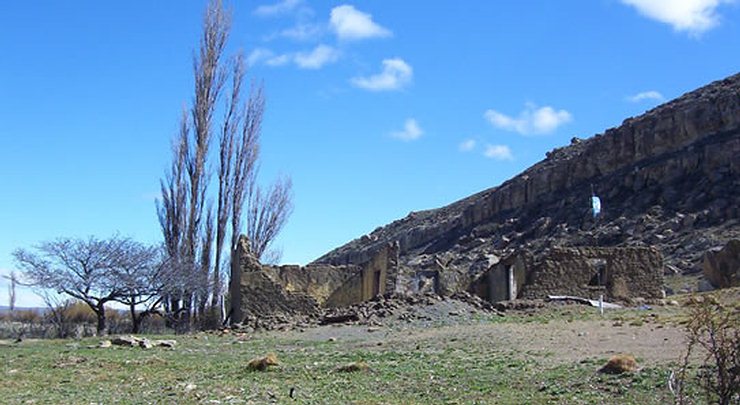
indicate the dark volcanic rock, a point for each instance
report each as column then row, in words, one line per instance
column 668, row 178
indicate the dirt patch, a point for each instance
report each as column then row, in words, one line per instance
column 555, row 342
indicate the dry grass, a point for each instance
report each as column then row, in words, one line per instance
column 354, row 367
column 620, row 363
column 263, row 363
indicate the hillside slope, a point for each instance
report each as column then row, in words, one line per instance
column 668, row 178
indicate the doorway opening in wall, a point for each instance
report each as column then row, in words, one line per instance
column 599, row 274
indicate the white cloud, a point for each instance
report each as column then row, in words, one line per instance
column 279, row 60
column 498, row 152
column 267, row 57
column 258, row 55
column 317, row 58
column 411, row 131
column 531, row 121
column 282, row 7
column 302, row 32
column 646, row 95
column 467, row 145
column 395, row 75
column 351, row 24
column 693, row 16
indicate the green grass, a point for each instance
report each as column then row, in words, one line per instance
column 212, row 369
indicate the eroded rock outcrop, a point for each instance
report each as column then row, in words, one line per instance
column 669, row 178
column 722, row 266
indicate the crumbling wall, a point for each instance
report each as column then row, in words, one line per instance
column 618, row 273
column 505, row 279
column 318, row 281
column 257, row 293
column 263, row 296
column 289, row 289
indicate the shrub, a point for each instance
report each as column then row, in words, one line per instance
column 714, row 329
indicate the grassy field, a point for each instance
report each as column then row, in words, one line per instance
column 415, row 365
column 214, row 370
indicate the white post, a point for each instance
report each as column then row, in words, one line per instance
column 601, row 304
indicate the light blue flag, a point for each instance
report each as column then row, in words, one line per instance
column 595, row 205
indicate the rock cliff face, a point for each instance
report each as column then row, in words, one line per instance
column 669, row 178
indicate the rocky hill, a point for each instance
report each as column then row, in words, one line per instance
column 668, row 178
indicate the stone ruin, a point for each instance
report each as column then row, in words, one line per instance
column 615, row 273
column 264, row 290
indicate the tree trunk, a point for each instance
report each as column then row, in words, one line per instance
column 135, row 320
column 100, row 312
column 136, row 324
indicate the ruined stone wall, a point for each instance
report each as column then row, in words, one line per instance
column 618, row 273
column 254, row 291
column 272, row 290
column 318, row 281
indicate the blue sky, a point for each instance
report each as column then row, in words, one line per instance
column 375, row 109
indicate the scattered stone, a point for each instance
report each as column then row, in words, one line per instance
column 145, row 343
column 344, row 318
column 128, row 341
column 133, row 341
column 165, row 343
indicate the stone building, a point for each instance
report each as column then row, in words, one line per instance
column 262, row 290
column 617, row 273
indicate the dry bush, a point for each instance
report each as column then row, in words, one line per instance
column 25, row 316
column 262, row 363
column 620, row 363
column 354, row 367
column 78, row 312
column 714, row 330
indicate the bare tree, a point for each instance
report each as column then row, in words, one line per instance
column 58, row 313
column 79, row 268
column 143, row 277
column 172, row 215
column 202, row 234
column 11, row 289
column 209, row 81
column 204, row 286
column 268, row 213
column 227, row 141
column 246, row 157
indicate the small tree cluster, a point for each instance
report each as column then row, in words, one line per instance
column 98, row 272
column 195, row 235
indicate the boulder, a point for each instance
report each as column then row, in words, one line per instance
column 145, row 343
column 165, row 343
column 722, row 266
column 128, row 341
